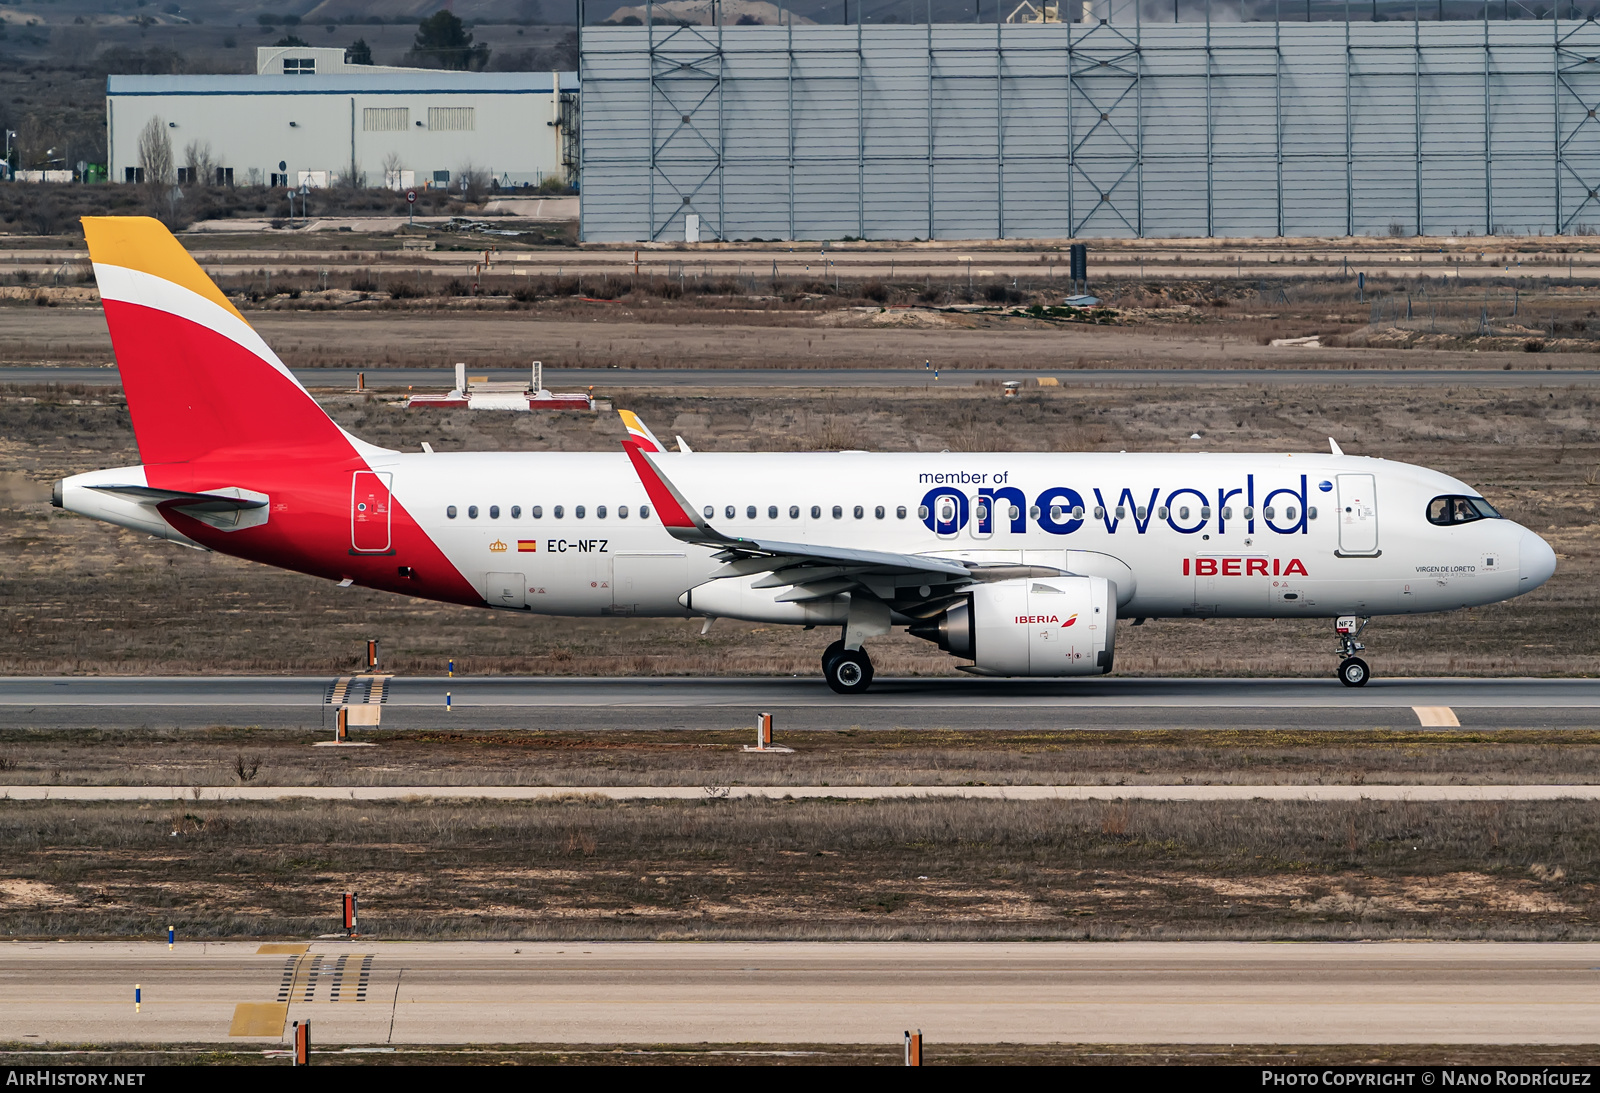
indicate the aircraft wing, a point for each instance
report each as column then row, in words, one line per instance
column 911, row 582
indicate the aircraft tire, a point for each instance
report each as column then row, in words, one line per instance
column 830, row 653
column 1353, row 672
column 849, row 673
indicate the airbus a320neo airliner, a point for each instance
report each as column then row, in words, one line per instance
column 1020, row 564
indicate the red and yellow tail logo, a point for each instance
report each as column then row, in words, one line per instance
column 1069, row 622
column 198, row 379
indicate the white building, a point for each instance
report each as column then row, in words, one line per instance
column 308, row 117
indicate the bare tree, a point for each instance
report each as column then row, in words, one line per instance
column 202, row 165
column 155, row 158
column 473, row 183
column 392, row 165
column 155, row 155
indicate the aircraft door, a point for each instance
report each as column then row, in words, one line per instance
column 369, row 512
column 506, row 590
column 649, row 582
column 1358, row 514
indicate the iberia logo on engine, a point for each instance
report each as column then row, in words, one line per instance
column 1244, row 567
column 1037, row 620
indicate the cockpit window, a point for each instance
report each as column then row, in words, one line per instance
column 1446, row 511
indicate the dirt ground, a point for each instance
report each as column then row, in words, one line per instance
column 575, row 334
column 790, row 1055
column 806, row 869
column 80, row 596
column 231, row 755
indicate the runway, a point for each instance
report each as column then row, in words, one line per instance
column 609, row 379
column 375, row 993
column 803, row 703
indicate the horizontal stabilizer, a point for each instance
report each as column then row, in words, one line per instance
column 208, row 502
column 227, row 509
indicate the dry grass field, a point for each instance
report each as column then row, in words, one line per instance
column 798, row 869
column 79, row 596
column 935, row 1053
column 231, row 755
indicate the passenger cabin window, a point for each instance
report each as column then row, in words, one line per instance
column 900, row 513
column 1445, row 511
column 516, row 512
column 559, row 512
column 622, row 512
column 599, row 512
column 450, row 512
column 794, row 512
column 878, row 512
column 838, row 512
column 749, row 512
column 728, row 512
column 494, row 512
column 472, row 512
column 537, row 512
column 577, row 512
column 860, row 512
column 644, row 512
column 772, row 512
column 816, row 512
column 708, row 512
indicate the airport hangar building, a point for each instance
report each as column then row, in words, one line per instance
column 308, row 116
column 1102, row 128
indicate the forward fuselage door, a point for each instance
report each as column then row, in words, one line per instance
column 369, row 512
column 1358, row 514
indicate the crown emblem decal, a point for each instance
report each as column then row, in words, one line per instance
column 497, row 547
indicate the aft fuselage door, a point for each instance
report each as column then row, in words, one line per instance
column 1358, row 514
column 369, row 512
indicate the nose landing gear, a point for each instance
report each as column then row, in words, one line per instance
column 848, row 671
column 1353, row 671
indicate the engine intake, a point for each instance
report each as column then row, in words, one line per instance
column 1050, row 626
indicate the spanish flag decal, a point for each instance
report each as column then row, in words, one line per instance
column 527, row 546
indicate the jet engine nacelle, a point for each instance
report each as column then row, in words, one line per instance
column 1037, row 626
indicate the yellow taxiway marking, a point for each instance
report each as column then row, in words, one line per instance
column 282, row 949
column 259, row 1019
column 1436, row 717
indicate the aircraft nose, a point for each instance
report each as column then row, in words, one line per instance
column 1538, row 562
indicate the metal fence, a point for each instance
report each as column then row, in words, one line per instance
column 1109, row 128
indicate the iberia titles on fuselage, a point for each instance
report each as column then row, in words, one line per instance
column 968, row 550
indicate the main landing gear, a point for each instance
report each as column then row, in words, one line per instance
column 1353, row 671
column 848, row 671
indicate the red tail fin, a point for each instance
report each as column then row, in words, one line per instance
column 198, row 379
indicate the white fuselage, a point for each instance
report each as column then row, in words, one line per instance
column 1198, row 534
